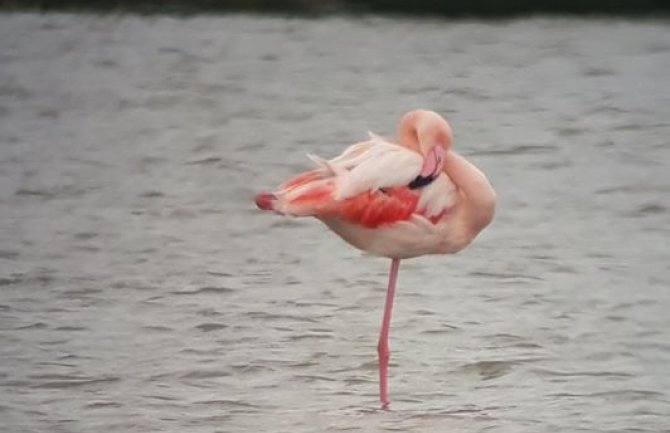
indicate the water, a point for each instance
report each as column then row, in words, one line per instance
column 141, row 291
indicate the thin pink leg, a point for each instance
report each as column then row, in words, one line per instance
column 383, row 344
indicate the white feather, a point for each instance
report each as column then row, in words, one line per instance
column 438, row 196
column 323, row 164
column 382, row 165
column 370, row 165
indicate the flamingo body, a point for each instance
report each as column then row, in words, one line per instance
column 363, row 196
column 397, row 200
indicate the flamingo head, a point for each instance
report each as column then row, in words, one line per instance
column 434, row 141
column 426, row 132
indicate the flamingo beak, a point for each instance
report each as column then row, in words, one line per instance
column 432, row 162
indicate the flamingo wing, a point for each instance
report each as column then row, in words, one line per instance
column 383, row 165
column 366, row 185
column 378, row 207
column 363, row 175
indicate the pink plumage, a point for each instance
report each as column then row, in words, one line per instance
column 397, row 200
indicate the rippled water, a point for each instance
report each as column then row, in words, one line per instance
column 141, row 291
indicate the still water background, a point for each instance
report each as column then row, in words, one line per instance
column 140, row 290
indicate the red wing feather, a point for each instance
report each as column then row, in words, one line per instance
column 370, row 209
column 375, row 208
column 300, row 179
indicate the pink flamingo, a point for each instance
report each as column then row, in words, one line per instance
column 394, row 200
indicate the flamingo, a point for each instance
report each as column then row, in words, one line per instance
column 395, row 200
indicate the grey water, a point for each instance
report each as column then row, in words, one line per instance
column 141, row 291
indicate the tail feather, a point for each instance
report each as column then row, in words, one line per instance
column 325, row 165
column 311, row 199
column 301, row 179
column 265, row 200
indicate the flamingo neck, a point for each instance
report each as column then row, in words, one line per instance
column 421, row 130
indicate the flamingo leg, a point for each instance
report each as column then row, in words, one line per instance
column 383, row 344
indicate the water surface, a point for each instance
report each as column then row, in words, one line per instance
column 141, row 291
